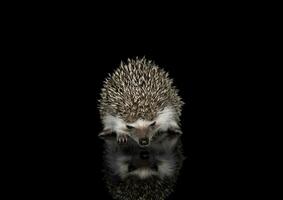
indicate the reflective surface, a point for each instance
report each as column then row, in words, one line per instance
column 132, row 172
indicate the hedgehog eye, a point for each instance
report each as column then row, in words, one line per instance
column 152, row 124
column 130, row 127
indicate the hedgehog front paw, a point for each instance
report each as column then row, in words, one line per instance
column 122, row 138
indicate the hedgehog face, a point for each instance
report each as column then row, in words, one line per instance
column 142, row 131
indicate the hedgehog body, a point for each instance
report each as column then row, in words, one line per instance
column 138, row 100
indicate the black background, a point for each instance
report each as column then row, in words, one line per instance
column 58, row 55
column 66, row 65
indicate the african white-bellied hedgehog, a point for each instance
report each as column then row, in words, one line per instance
column 139, row 100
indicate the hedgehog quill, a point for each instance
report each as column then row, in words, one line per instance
column 138, row 100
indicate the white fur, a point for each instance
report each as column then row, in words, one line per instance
column 141, row 123
column 121, row 168
column 113, row 123
column 164, row 121
column 166, row 168
column 144, row 173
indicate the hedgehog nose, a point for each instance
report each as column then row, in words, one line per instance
column 144, row 141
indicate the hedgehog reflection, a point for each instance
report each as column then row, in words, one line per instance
column 133, row 172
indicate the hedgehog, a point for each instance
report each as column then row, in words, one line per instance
column 139, row 100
